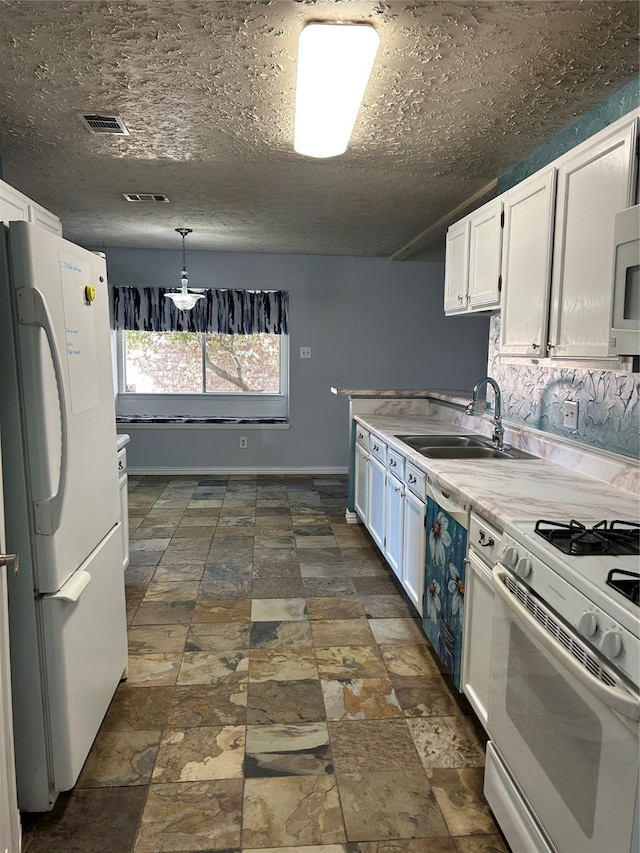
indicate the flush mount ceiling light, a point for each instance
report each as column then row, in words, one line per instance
column 334, row 64
column 183, row 299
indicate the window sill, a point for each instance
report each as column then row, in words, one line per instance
column 195, row 422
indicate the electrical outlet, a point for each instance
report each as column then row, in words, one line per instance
column 305, row 352
column 570, row 414
column 243, row 441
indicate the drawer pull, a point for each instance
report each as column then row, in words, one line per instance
column 392, row 463
column 489, row 544
column 412, row 479
column 375, row 447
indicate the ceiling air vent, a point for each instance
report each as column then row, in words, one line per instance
column 153, row 197
column 104, row 124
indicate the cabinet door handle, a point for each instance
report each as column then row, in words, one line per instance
column 398, row 489
column 535, row 346
column 459, row 298
column 392, row 463
column 489, row 543
column 550, row 347
column 375, row 447
column 412, row 479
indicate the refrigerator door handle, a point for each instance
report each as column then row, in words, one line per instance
column 73, row 589
column 33, row 311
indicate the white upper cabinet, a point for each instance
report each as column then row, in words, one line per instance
column 550, row 267
column 456, row 268
column 526, row 265
column 14, row 205
column 485, row 247
column 45, row 219
column 595, row 182
column 472, row 263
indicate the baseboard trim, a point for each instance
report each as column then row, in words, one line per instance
column 352, row 517
column 167, row 471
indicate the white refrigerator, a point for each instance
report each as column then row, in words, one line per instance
column 67, row 623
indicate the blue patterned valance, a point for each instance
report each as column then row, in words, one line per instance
column 228, row 312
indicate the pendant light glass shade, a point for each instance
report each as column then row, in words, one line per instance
column 334, row 64
column 183, row 299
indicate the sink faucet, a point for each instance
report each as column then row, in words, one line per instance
column 498, row 429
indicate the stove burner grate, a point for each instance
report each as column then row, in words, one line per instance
column 615, row 538
column 627, row 583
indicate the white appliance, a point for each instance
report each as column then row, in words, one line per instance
column 624, row 335
column 562, row 769
column 66, row 604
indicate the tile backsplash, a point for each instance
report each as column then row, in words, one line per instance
column 608, row 401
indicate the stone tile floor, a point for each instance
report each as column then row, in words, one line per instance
column 280, row 696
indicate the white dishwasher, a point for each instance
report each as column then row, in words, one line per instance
column 121, row 448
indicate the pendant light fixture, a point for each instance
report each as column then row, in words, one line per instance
column 334, row 64
column 183, row 299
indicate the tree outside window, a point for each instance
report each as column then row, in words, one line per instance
column 194, row 362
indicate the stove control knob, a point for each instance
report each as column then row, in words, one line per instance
column 611, row 644
column 588, row 624
column 510, row 556
column 523, row 567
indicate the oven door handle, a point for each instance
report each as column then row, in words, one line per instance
column 615, row 698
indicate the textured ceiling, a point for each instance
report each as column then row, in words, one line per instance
column 459, row 92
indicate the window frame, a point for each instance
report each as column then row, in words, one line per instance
column 205, row 403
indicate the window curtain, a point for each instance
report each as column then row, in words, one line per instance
column 228, row 312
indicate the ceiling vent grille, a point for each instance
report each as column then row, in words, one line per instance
column 104, row 124
column 152, row 197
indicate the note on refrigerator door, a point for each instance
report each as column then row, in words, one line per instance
column 79, row 316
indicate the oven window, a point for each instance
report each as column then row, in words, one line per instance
column 559, row 728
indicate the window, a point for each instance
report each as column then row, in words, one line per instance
column 225, row 360
column 202, row 362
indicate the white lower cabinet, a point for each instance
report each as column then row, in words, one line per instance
column 414, row 541
column 361, row 482
column 394, row 529
column 484, row 543
column 376, row 501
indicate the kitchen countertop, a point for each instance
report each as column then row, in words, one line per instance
column 505, row 491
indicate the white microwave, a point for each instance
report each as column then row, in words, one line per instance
column 624, row 337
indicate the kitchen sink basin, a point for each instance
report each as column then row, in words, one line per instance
column 477, row 452
column 460, row 447
column 420, row 441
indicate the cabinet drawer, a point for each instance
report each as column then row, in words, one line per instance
column 122, row 462
column 416, row 480
column 395, row 463
column 484, row 538
column 362, row 436
column 378, row 448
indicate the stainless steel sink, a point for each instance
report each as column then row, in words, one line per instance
column 420, row 441
column 479, row 452
column 460, row 447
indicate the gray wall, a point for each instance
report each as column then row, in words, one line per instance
column 370, row 323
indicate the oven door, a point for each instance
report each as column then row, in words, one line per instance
column 568, row 738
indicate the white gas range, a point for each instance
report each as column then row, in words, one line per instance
column 563, row 761
column 590, row 575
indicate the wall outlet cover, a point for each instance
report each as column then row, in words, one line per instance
column 570, row 414
column 243, row 441
column 305, row 352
